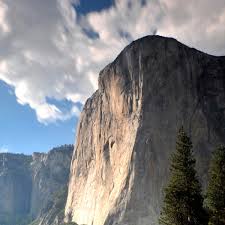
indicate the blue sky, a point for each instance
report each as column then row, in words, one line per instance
column 20, row 131
column 87, row 6
column 51, row 53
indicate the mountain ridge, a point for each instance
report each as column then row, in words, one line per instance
column 28, row 183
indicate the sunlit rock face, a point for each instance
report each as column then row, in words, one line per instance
column 49, row 174
column 127, row 130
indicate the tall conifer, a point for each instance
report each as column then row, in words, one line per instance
column 183, row 202
column 216, row 189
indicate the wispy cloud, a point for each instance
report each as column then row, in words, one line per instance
column 4, row 149
column 48, row 51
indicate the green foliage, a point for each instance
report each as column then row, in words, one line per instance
column 62, row 148
column 70, row 223
column 215, row 200
column 183, row 203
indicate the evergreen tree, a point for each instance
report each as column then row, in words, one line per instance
column 216, row 189
column 183, row 203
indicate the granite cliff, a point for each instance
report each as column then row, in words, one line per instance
column 128, row 128
column 28, row 184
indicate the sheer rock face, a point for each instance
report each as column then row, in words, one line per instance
column 49, row 174
column 15, row 186
column 28, row 183
column 128, row 129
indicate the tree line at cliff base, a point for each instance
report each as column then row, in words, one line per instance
column 184, row 203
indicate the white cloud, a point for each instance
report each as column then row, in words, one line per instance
column 197, row 23
column 48, row 52
column 3, row 23
column 4, row 149
column 39, row 56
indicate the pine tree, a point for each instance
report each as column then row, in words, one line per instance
column 183, row 202
column 215, row 200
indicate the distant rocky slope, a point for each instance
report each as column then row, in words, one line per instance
column 128, row 128
column 29, row 184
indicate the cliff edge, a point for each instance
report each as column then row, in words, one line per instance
column 128, row 128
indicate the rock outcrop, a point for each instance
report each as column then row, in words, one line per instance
column 128, row 128
column 53, row 213
column 29, row 183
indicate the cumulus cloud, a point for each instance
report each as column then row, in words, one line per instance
column 48, row 51
column 196, row 23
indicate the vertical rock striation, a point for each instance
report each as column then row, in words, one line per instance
column 15, row 187
column 128, row 128
column 49, row 174
column 28, row 184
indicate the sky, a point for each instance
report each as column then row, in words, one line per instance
column 51, row 52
